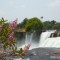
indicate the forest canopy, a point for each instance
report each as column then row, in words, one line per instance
column 35, row 23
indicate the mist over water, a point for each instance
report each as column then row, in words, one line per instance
column 44, row 40
column 27, row 38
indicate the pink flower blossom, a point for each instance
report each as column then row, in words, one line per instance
column 10, row 37
column 13, row 25
column 26, row 48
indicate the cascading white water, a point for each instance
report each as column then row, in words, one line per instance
column 28, row 38
column 30, row 41
column 45, row 35
column 47, row 41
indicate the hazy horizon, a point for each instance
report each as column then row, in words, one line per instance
column 11, row 9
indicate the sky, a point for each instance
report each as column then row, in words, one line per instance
column 12, row 9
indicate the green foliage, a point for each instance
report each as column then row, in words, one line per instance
column 23, row 23
column 3, row 32
column 6, row 33
column 49, row 24
column 7, row 37
column 56, row 26
column 33, row 24
column 2, row 21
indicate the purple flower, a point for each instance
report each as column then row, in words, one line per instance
column 10, row 37
column 13, row 25
column 26, row 48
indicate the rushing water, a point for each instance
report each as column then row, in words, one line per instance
column 47, row 41
column 28, row 40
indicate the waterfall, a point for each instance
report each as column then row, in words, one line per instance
column 47, row 41
column 28, row 38
column 45, row 35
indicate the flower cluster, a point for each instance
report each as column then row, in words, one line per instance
column 10, row 37
column 11, row 28
column 26, row 48
column 7, row 37
column 7, row 32
column 13, row 25
column 23, row 51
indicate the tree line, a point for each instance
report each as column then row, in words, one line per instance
column 36, row 24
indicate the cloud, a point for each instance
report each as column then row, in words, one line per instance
column 56, row 3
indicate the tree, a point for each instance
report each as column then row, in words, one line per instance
column 33, row 24
column 22, row 24
column 25, row 21
column 49, row 24
column 57, row 26
column 53, row 22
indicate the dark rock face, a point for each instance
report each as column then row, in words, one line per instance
column 36, row 35
column 45, row 54
column 37, row 54
column 20, row 35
